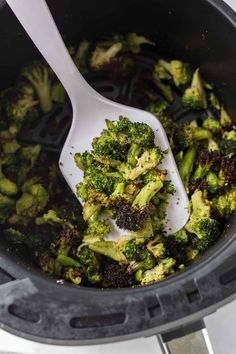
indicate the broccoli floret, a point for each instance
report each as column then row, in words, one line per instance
column 200, row 223
column 150, row 159
column 205, row 161
column 186, row 166
column 156, row 247
column 98, row 227
column 111, row 145
column 90, row 208
column 230, row 135
column 10, row 147
column 228, row 147
column 142, row 134
column 38, row 75
column 116, row 275
column 133, row 217
column 7, row 187
column 92, row 262
column 194, row 97
column 181, row 237
column 32, row 202
column 212, row 125
column 226, row 204
column 102, row 56
column 181, row 72
column 159, row 272
column 84, row 160
column 130, row 248
column 227, row 173
column 18, row 106
column 225, row 119
column 187, row 134
column 99, row 179
column 228, row 143
column 75, row 275
column 93, row 200
column 159, row 110
column 134, row 41
column 144, row 260
column 50, row 217
column 28, row 156
column 160, row 71
column 108, row 249
column 130, row 218
column 6, row 207
column 148, row 192
column 213, row 183
column 213, row 100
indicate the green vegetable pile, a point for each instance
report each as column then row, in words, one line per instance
column 122, row 176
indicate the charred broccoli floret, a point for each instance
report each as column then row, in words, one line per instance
column 187, row 134
column 38, row 74
column 116, row 275
column 205, row 161
column 227, row 174
column 194, row 97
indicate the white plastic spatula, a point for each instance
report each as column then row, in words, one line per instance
column 90, row 109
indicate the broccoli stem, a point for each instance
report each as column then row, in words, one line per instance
column 133, row 154
column 119, row 189
column 202, row 134
column 186, row 165
column 44, row 95
column 147, row 193
column 68, row 261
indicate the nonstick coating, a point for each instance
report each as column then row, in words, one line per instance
column 201, row 32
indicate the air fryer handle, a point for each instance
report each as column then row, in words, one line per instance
column 191, row 338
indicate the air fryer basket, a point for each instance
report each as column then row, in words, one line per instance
column 35, row 306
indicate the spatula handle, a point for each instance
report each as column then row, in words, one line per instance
column 36, row 18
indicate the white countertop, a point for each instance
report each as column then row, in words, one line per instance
column 221, row 327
